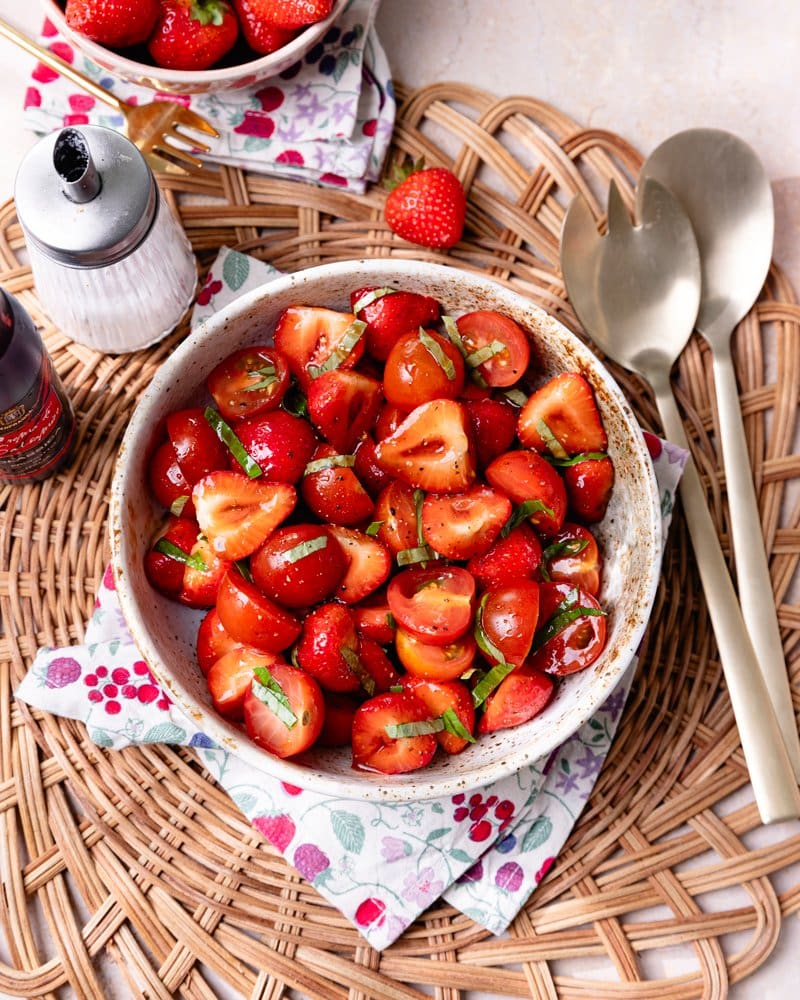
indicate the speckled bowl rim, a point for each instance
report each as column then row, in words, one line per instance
column 417, row 785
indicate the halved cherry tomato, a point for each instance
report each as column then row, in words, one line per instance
column 299, row 565
column 433, row 604
column 201, row 582
column 375, row 750
column 463, row 525
column 441, row 696
column 523, row 476
column 308, row 335
column 577, row 639
column 572, row 556
column 168, row 483
column 484, row 328
column 334, row 493
column 249, row 381
column 268, row 730
column 436, row 663
column 519, row 698
column 198, row 450
column 230, row 677
column 422, row 366
column 252, row 618
column 213, row 641
column 508, row 616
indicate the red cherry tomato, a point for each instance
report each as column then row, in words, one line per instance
column 252, row 618
column 198, row 450
column 519, row 698
column 168, row 483
column 299, row 565
column 434, row 604
column 439, row 697
column 508, row 616
column 422, row 366
column 213, row 641
column 375, row 750
column 572, row 556
column 165, row 572
column 437, row 663
column 576, row 642
column 249, row 381
column 485, row 328
column 269, row 730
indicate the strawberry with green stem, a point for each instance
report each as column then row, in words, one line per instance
column 193, row 34
column 426, row 206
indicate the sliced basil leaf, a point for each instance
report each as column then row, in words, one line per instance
column 269, row 691
column 494, row 678
column 331, row 462
column 404, row 730
column 485, row 644
column 407, row 557
column 265, row 378
column 477, row 358
column 167, row 548
column 454, row 725
column 228, row 437
column 419, row 500
column 391, row 621
column 303, row 549
column 553, row 445
column 566, row 547
column 373, row 528
column 177, row 505
column 451, row 329
column 434, row 348
column 516, row 396
column 586, row 456
column 522, row 513
column 340, row 353
column 295, row 402
column 369, row 297
column 244, row 569
column 397, row 689
column 356, row 667
column 558, row 622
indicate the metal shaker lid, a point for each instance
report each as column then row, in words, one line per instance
column 85, row 196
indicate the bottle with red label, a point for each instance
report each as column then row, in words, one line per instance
column 37, row 423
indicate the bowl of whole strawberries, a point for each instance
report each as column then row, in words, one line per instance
column 385, row 529
column 194, row 46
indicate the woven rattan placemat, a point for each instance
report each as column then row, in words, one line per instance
column 136, row 859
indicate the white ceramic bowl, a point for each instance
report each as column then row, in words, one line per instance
column 630, row 534
column 172, row 81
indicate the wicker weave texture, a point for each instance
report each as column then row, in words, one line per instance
column 137, row 860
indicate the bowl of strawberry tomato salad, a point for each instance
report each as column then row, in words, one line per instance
column 385, row 529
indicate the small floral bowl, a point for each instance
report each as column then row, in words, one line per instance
column 630, row 533
column 232, row 76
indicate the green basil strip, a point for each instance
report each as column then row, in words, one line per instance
column 269, row 691
column 331, row 462
column 485, row 644
column 244, row 569
column 419, row 500
column 391, row 621
column 340, row 353
column 168, row 548
column 484, row 353
column 306, row 548
column 295, row 402
column 494, row 678
column 373, row 528
column 454, row 725
column 451, row 329
column 553, row 445
column 356, row 667
column 567, row 547
column 397, row 689
column 293, row 658
column 516, row 396
column 404, row 730
column 407, row 557
column 177, row 505
column 586, row 456
column 369, row 297
column 226, row 434
column 266, row 377
column 434, row 348
column 558, row 622
column 522, row 513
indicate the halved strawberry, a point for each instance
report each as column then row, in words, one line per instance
column 231, row 676
column 313, row 338
column 377, row 664
column 371, row 476
column 493, row 423
column 439, row 696
column 280, row 443
column 213, row 641
column 520, row 697
column 463, row 525
column 334, row 493
column 396, row 514
column 237, row 514
column 375, row 750
column 343, row 406
column 431, row 449
column 369, row 564
column 524, row 476
column 374, row 619
column 565, row 407
column 389, row 314
column 328, row 648
column 515, row 557
column 589, row 485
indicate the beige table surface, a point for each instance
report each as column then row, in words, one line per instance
column 643, row 70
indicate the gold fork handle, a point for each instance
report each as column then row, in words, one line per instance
column 64, row 68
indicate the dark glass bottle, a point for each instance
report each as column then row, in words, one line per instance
column 37, row 423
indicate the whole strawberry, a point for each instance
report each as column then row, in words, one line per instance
column 290, row 14
column 260, row 33
column 193, row 34
column 428, row 208
column 117, row 23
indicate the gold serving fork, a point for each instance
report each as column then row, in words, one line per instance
column 155, row 128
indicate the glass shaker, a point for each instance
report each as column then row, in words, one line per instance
column 112, row 267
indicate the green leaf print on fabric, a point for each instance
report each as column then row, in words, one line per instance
column 538, row 834
column 348, row 829
column 235, row 270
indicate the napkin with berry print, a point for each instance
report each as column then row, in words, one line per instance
column 381, row 864
column 328, row 118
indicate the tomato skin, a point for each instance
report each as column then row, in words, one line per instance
column 371, row 476
column 413, row 376
column 198, row 450
column 230, row 677
column 162, row 571
column 589, row 486
column 434, row 604
column 307, row 580
column 436, row 663
column 266, row 730
column 508, row 616
column 525, row 475
column 233, row 382
column 520, row 697
column 335, row 494
column 582, row 569
column 201, row 586
column 439, row 696
column 483, row 326
column 280, row 443
column 167, row 482
column 463, row 525
column 494, row 425
column 327, row 631
column 213, row 641
column 515, row 557
column 373, row 750
column 397, row 512
column 579, row 644
column 252, row 618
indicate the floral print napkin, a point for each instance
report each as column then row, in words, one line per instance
column 328, row 118
column 381, row 864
